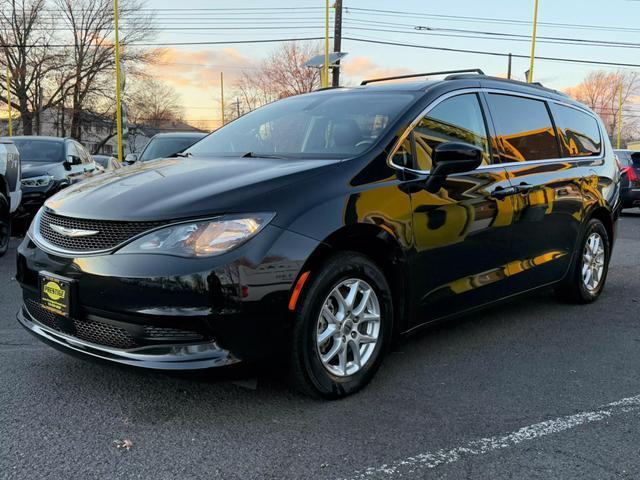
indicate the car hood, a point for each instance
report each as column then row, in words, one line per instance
column 35, row 169
column 180, row 188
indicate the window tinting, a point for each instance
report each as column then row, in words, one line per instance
column 456, row 119
column 38, row 150
column 579, row 132
column 524, row 128
column 336, row 124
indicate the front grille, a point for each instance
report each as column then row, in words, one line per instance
column 164, row 333
column 103, row 334
column 43, row 315
column 110, row 233
column 94, row 332
column 109, row 335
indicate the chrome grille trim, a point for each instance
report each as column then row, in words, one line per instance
column 113, row 235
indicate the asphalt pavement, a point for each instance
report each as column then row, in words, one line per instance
column 529, row 389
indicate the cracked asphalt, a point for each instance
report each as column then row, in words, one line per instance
column 489, row 374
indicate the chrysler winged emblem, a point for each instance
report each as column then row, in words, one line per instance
column 72, row 232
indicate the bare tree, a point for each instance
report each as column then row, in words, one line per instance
column 600, row 91
column 153, row 102
column 92, row 52
column 25, row 38
column 281, row 75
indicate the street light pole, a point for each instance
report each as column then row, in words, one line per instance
column 118, row 83
column 222, row 98
column 533, row 40
column 620, row 114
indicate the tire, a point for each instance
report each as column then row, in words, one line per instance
column 340, row 375
column 5, row 225
column 575, row 288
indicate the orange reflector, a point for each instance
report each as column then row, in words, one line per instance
column 297, row 289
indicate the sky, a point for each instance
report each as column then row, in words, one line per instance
column 195, row 70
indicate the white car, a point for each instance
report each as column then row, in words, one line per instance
column 10, row 190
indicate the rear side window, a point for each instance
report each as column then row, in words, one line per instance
column 524, row 128
column 579, row 132
column 456, row 119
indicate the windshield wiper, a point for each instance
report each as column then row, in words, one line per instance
column 182, row 155
column 261, row 155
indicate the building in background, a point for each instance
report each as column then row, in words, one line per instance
column 98, row 131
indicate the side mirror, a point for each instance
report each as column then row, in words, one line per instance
column 130, row 158
column 635, row 158
column 449, row 158
column 72, row 160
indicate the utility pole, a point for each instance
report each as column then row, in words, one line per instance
column 509, row 67
column 620, row 114
column 325, row 66
column 337, row 41
column 9, row 100
column 533, row 40
column 118, row 83
column 222, row 98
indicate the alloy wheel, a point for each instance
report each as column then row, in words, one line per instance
column 348, row 327
column 593, row 258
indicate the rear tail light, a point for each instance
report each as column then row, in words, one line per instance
column 631, row 174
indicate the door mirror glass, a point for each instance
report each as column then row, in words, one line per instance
column 131, row 158
column 450, row 158
column 74, row 160
column 635, row 158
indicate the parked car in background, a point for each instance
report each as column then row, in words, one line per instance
column 323, row 226
column 164, row 145
column 10, row 190
column 629, row 161
column 49, row 164
column 107, row 162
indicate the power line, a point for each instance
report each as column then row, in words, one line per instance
column 498, row 54
column 373, row 11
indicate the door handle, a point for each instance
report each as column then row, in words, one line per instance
column 503, row 192
column 524, row 187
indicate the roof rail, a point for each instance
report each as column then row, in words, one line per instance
column 414, row 75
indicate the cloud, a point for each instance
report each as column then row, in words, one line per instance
column 200, row 69
column 364, row 67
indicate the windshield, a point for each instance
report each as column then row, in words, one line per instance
column 336, row 124
column 45, row 151
column 163, row 147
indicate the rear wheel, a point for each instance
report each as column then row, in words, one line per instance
column 5, row 224
column 343, row 324
column 585, row 281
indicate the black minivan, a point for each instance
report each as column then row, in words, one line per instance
column 324, row 226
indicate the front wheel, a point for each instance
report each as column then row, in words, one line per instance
column 5, row 224
column 585, row 281
column 343, row 325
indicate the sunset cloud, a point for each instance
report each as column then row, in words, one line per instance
column 358, row 68
column 200, row 69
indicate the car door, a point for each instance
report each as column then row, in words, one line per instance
column 548, row 188
column 461, row 232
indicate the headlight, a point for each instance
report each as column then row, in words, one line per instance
column 41, row 181
column 205, row 238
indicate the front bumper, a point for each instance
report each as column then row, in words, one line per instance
column 161, row 357
column 217, row 310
